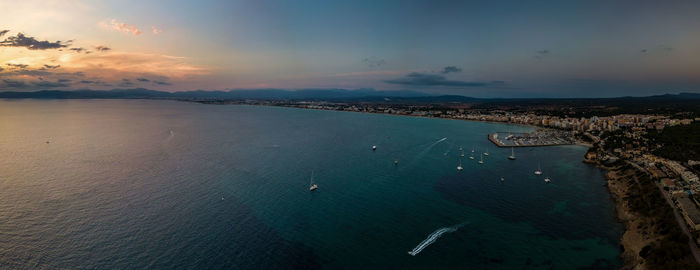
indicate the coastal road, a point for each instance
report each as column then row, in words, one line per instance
column 679, row 218
column 681, row 222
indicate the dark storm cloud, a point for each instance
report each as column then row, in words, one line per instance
column 64, row 80
column 78, row 49
column 3, row 32
column 449, row 69
column 422, row 79
column 31, row 43
column 143, row 80
column 51, row 67
column 162, row 83
column 21, row 66
column 101, row 48
column 373, row 61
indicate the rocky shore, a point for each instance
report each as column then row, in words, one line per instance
column 634, row 238
column 652, row 239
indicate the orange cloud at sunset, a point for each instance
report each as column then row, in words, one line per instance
column 121, row 26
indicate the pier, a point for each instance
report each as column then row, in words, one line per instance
column 534, row 139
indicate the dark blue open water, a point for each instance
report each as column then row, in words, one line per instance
column 228, row 188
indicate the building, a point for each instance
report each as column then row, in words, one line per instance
column 690, row 211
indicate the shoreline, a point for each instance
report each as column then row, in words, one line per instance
column 632, row 240
column 629, row 240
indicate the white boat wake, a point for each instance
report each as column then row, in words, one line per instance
column 434, row 237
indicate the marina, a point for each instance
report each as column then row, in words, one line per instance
column 533, row 139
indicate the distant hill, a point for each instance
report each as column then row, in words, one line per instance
column 271, row 94
column 663, row 104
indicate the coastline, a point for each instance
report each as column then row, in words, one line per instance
column 634, row 238
column 651, row 239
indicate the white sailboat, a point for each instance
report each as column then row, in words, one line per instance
column 481, row 160
column 472, row 156
column 312, row 186
column 538, row 171
column 459, row 167
column 502, row 179
column 512, row 154
column 374, row 147
column 547, row 180
column 472, row 149
column 462, row 154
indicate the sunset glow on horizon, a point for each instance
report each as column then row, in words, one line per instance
column 504, row 49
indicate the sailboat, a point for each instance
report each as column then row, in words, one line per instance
column 396, row 161
column 374, row 147
column 472, row 156
column 481, row 160
column 538, row 171
column 312, row 186
column 502, row 179
column 512, row 154
column 462, row 154
column 546, row 180
column 472, row 149
column 486, row 153
column 459, row 167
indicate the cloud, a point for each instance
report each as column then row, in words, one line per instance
column 64, row 80
column 162, row 83
column 31, row 43
column 1, row 69
column 373, row 62
column 449, row 69
column 422, row 79
column 101, row 48
column 541, row 54
column 14, row 83
column 126, row 83
column 3, row 32
column 143, row 80
column 47, row 84
column 156, row 31
column 78, row 49
column 658, row 50
column 121, row 26
column 20, row 66
column 95, row 82
column 51, row 67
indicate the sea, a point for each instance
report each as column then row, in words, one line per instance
column 149, row 184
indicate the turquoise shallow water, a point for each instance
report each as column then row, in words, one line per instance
column 127, row 184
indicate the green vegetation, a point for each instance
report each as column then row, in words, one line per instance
column 679, row 143
column 614, row 139
column 672, row 250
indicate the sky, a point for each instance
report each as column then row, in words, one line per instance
column 471, row 48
